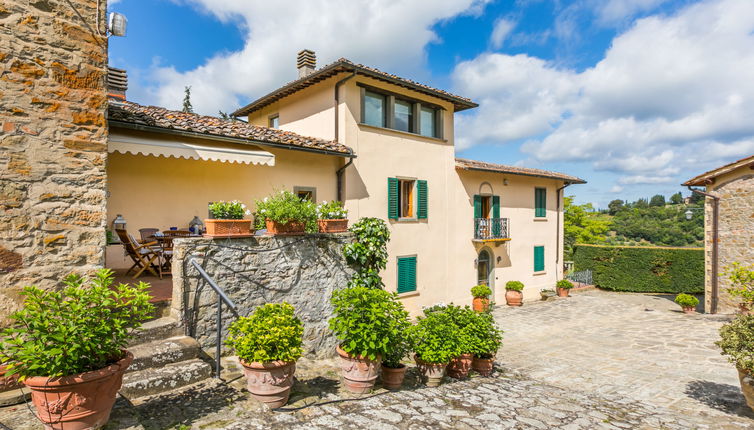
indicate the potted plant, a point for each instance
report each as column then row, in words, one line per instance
column 737, row 342
column 687, row 302
column 227, row 219
column 286, row 214
column 563, row 286
column 485, row 339
column 436, row 342
column 742, row 285
column 68, row 347
column 365, row 320
column 463, row 318
column 268, row 343
column 481, row 302
column 546, row 293
column 331, row 217
column 399, row 345
column 513, row 293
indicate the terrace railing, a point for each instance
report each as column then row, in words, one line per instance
column 491, row 228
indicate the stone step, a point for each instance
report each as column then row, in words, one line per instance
column 166, row 378
column 158, row 353
column 161, row 328
column 161, row 309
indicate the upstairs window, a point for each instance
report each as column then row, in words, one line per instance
column 374, row 109
column 400, row 113
column 540, row 202
column 274, row 121
column 407, row 198
column 427, row 122
column 404, row 116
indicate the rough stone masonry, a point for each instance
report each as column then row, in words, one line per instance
column 53, row 143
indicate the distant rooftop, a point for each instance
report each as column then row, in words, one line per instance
column 465, row 164
column 709, row 177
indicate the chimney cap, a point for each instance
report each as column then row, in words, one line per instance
column 306, row 62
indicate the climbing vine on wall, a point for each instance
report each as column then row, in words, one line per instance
column 368, row 254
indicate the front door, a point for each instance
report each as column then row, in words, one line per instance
column 484, row 271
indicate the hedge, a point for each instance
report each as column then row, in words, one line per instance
column 643, row 269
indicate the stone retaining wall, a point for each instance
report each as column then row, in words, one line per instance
column 301, row 270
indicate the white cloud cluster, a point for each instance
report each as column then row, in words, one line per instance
column 501, row 30
column 672, row 95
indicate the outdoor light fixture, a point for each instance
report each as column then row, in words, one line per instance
column 505, row 181
column 689, row 214
column 117, row 24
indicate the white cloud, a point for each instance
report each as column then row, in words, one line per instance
column 501, row 31
column 611, row 12
column 616, row 189
column 392, row 35
column 673, row 94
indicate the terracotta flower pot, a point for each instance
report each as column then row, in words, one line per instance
column 563, row 292
column 332, row 225
column 78, row 402
column 270, row 382
column 288, row 229
column 392, row 378
column 480, row 304
column 227, row 227
column 359, row 373
column 460, row 366
column 689, row 309
column 8, row 383
column 483, row 366
column 514, row 298
column 432, row 372
column 747, row 387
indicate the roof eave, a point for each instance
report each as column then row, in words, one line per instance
column 572, row 181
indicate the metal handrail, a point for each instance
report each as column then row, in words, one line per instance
column 223, row 298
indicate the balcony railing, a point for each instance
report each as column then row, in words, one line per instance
column 491, row 229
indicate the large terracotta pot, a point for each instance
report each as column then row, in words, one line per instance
column 359, row 373
column 332, row 225
column 227, row 227
column 8, row 383
column 432, row 372
column 563, row 292
column 747, row 387
column 483, row 366
column 514, row 298
column 270, row 382
column 78, row 402
column 392, row 378
column 480, row 304
column 460, row 366
column 287, row 229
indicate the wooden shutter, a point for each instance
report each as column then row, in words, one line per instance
column 406, row 274
column 540, row 202
column 477, row 206
column 496, row 228
column 392, row 198
column 421, row 189
column 539, row 258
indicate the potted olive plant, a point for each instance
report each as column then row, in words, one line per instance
column 481, row 302
column 332, row 217
column 399, row 345
column 436, row 342
column 742, row 285
column 463, row 318
column 687, row 302
column 284, row 213
column 227, row 219
column 563, row 287
column 268, row 343
column 365, row 321
column 485, row 339
column 513, row 293
column 737, row 342
column 68, row 346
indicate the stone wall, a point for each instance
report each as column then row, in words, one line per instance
column 300, row 270
column 53, row 142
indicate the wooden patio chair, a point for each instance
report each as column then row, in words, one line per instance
column 147, row 233
column 142, row 254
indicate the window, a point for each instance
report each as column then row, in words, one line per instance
column 539, row 258
column 406, row 274
column 306, row 193
column 404, row 116
column 540, row 202
column 427, row 126
column 399, row 113
column 374, row 109
column 274, row 121
column 407, row 198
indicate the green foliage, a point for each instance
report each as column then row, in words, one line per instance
column 564, row 283
column 368, row 254
column 228, row 210
column 331, row 210
column 737, row 342
column 367, row 321
column 484, row 336
column 686, row 300
column 582, row 225
column 399, row 344
column 742, row 282
column 284, row 207
column 81, row 328
column 481, row 291
column 435, row 336
column 664, row 225
column 273, row 332
column 463, row 318
column 187, row 107
column 657, row 200
column 614, row 206
column 676, row 199
column 643, row 269
column 514, row 285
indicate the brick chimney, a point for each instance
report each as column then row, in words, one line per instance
column 117, row 83
column 306, row 63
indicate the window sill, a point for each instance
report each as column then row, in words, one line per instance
column 404, row 133
column 540, row 219
column 407, row 220
column 544, row 272
column 408, row 294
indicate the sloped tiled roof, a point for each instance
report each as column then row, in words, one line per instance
column 344, row 65
column 707, row 178
column 134, row 114
column 465, row 164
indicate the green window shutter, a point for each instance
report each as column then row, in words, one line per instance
column 392, row 198
column 496, row 227
column 421, row 189
column 477, row 206
column 540, row 202
column 539, row 258
column 406, row 274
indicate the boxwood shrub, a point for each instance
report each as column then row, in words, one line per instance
column 643, row 269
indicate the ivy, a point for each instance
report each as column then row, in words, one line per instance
column 368, row 254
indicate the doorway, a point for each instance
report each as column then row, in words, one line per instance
column 484, row 271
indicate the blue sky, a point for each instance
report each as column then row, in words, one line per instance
column 635, row 96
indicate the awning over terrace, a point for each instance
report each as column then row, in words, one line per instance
column 218, row 151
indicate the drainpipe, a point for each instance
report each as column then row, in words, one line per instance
column 715, row 246
column 557, row 225
column 339, row 175
column 339, row 172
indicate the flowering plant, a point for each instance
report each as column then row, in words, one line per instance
column 284, row 207
column 228, row 210
column 331, row 210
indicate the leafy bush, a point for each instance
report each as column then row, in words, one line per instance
column 643, row 269
column 564, row 283
column 273, row 332
column 742, row 282
column 331, row 210
column 284, row 207
column 463, row 318
column 367, row 321
column 368, row 254
column 84, row 327
column 436, row 338
column 228, row 210
column 514, row 285
column 686, row 300
column 481, row 291
column 484, row 336
column 737, row 342
column 399, row 344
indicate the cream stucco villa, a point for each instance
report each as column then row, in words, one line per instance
column 383, row 145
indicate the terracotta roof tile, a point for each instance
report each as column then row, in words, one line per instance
column 708, row 177
column 465, row 164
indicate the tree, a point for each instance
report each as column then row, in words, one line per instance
column 187, row 100
column 641, row 204
column 582, row 224
column 657, row 200
column 223, row 115
column 614, row 206
column 676, row 198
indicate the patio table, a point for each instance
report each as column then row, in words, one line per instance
column 165, row 241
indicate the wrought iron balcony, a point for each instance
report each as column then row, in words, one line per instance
column 491, row 229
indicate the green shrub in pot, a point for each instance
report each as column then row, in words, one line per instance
column 481, row 291
column 686, row 301
column 565, row 284
column 514, row 285
column 485, row 339
column 283, row 208
column 437, row 341
column 737, row 343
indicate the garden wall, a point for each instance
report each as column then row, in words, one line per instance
column 643, row 269
column 300, row 270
